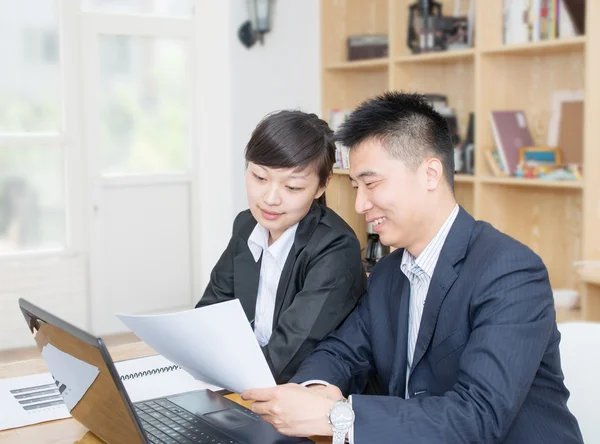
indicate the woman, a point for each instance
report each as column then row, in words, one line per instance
column 292, row 262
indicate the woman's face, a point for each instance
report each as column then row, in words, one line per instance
column 279, row 198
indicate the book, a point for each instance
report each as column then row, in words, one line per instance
column 156, row 377
column 510, row 132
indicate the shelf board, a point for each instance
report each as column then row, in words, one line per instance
column 590, row 275
column 438, row 57
column 341, row 171
column 464, row 178
column 378, row 64
column 539, row 48
column 540, row 183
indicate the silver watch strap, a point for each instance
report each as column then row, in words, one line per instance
column 339, row 437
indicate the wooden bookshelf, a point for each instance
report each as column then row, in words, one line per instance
column 557, row 219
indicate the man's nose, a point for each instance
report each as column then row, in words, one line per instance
column 362, row 204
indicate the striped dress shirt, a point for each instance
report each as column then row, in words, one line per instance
column 419, row 271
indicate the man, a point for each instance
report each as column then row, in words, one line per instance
column 458, row 323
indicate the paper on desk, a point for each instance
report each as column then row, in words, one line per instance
column 156, row 377
column 73, row 376
column 30, row 400
column 215, row 344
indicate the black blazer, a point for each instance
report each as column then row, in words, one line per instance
column 321, row 282
column 486, row 365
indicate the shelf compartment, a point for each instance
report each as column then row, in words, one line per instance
column 541, row 48
column 347, row 89
column 547, row 219
column 455, row 80
column 380, row 64
column 343, row 18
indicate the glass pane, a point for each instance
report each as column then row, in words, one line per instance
column 30, row 74
column 165, row 8
column 144, row 104
column 32, row 201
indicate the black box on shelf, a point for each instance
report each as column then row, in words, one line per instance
column 367, row 46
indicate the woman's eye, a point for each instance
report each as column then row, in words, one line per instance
column 258, row 177
column 294, row 188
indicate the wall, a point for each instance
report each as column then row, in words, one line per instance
column 284, row 73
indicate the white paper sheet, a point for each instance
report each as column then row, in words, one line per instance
column 73, row 376
column 30, row 400
column 214, row 344
column 156, row 377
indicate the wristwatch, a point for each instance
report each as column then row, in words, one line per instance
column 341, row 418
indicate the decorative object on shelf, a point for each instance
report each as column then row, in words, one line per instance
column 565, row 127
column 342, row 154
column 468, row 148
column 429, row 30
column 494, row 163
column 253, row 30
column 510, row 134
column 541, row 155
column 545, row 162
column 374, row 250
column 420, row 32
column 367, row 46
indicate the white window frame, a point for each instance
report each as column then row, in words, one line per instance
column 67, row 140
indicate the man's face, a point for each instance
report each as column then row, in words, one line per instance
column 389, row 194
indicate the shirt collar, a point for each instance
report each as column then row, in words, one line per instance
column 427, row 260
column 259, row 242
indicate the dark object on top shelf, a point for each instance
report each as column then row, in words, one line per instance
column 419, row 36
column 367, row 46
column 432, row 31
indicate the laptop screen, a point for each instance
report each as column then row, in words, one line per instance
column 105, row 408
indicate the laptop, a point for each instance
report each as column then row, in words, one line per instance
column 105, row 409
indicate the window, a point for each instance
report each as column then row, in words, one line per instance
column 32, row 179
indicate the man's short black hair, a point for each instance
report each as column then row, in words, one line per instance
column 407, row 126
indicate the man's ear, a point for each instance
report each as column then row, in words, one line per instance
column 435, row 172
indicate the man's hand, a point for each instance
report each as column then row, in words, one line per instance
column 329, row 391
column 292, row 409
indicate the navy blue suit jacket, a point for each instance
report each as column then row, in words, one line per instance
column 486, row 367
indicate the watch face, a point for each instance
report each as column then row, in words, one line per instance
column 342, row 416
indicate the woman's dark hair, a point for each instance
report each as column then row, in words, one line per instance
column 293, row 139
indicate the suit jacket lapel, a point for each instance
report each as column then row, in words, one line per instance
column 444, row 275
column 306, row 227
column 400, row 297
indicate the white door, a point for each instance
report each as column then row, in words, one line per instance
column 138, row 93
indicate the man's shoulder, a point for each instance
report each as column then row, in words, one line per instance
column 490, row 244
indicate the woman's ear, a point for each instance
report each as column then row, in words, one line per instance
column 322, row 189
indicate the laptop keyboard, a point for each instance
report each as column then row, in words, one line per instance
column 167, row 423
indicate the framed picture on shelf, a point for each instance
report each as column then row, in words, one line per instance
column 541, row 155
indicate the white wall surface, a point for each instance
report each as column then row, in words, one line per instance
column 240, row 86
column 282, row 74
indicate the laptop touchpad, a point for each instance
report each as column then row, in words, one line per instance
column 228, row 419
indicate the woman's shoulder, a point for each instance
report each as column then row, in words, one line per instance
column 334, row 221
column 243, row 222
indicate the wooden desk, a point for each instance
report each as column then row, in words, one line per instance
column 68, row 430
column 590, row 296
